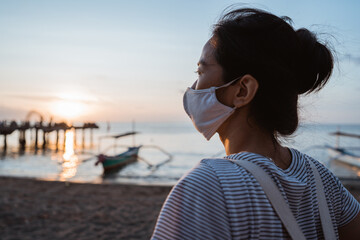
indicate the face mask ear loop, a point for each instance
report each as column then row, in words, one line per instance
column 229, row 83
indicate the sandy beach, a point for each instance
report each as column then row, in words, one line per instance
column 32, row 209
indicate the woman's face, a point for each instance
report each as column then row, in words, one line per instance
column 210, row 74
column 209, row 71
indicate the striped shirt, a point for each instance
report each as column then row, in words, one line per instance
column 219, row 199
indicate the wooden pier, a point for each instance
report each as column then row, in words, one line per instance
column 8, row 128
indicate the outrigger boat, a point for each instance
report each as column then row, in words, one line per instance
column 112, row 163
column 342, row 154
column 120, row 160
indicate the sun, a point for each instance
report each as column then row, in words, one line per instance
column 68, row 109
column 70, row 106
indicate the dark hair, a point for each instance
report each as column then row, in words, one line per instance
column 285, row 63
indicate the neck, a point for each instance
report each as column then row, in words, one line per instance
column 238, row 135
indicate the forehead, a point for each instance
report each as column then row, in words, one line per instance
column 208, row 54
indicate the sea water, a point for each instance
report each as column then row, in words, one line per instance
column 176, row 143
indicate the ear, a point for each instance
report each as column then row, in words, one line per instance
column 247, row 88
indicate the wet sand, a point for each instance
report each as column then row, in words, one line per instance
column 32, row 209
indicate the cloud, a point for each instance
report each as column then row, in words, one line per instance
column 52, row 98
column 35, row 98
column 8, row 113
column 351, row 58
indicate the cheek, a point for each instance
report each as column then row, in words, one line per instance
column 207, row 80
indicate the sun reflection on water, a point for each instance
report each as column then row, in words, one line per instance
column 70, row 163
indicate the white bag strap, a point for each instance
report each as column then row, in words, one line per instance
column 282, row 208
column 275, row 197
column 326, row 222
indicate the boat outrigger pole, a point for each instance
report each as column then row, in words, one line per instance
column 344, row 134
column 115, row 137
column 339, row 134
column 133, row 130
column 343, row 154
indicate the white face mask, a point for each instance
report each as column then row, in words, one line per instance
column 205, row 111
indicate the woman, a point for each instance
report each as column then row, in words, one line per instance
column 251, row 73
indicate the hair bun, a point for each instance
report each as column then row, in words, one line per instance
column 315, row 63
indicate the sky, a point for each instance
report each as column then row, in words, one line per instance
column 132, row 60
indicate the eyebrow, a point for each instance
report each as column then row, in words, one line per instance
column 204, row 63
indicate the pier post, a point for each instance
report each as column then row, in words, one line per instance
column 64, row 143
column 44, row 140
column 22, row 139
column 5, row 143
column 36, row 137
column 74, row 137
column 57, row 139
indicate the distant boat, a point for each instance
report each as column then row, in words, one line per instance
column 118, row 161
column 343, row 154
